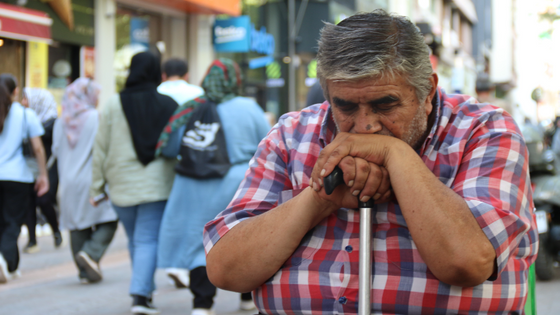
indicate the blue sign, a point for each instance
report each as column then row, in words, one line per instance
column 260, row 62
column 232, row 35
column 239, row 35
column 140, row 31
column 261, row 41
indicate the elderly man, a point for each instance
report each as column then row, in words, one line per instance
column 453, row 229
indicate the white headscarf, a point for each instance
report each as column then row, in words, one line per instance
column 42, row 102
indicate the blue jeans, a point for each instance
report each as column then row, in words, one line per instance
column 141, row 223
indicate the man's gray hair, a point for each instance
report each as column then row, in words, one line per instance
column 374, row 45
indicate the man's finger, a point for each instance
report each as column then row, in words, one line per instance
column 348, row 167
column 385, row 184
column 373, row 182
column 362, row 173
column 327, row 164
column 316, row 174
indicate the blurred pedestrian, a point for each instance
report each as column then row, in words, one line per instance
column 42, row 102
column 139, row 183
column 91, row 228
column 315, row 94
column 17, row 125
column 175, row 75
column 193, row 202
column 486, row 90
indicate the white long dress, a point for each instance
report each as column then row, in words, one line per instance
column 74, row 172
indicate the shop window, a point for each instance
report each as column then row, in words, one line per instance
column 13, row 58
column 136, row 31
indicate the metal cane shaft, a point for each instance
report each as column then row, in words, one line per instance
column 366, row 208
column 364, row 306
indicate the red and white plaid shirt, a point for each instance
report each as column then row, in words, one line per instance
column 475, row 149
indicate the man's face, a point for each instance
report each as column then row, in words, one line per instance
column 381, row 106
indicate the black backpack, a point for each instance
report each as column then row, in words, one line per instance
column 203, row 152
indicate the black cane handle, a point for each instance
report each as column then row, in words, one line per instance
column 334, row 179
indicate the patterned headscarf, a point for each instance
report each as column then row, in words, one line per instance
column 221, row 83
column 42, row 102
column 79, row 101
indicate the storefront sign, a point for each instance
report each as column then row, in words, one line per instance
column 37, row 65
column 72, row 20
column 239, row 35
column 261, row 41
column 231, row 35
column 140, row 31
column 24, row 24
column 260, row 62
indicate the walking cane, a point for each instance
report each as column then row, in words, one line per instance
column 364, row 273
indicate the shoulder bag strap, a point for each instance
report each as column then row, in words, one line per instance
column 24, row 130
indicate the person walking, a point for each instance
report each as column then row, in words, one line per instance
column 42, row 102
column 139, row 183
column 91, row 228
column 17, row 124
column 193, row 202
column 175, row 75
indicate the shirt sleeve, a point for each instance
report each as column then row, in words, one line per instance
column 57, row 133
column 259, row 191
column 173, row 145
column 100, row 151
column 34, row 126
column 493, row 178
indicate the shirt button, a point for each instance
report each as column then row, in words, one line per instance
column 342, row 300
column 349, row 248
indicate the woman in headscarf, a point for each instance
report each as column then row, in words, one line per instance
column 193, row 202
column 16, row 179
column 43, row 104
column 91, row 228
column 139, row 183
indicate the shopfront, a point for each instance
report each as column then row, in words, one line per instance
column 69, row 54
column 24, row 35
column 267, row 74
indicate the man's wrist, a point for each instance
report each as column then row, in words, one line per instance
column 397, row 152
column 322, row 208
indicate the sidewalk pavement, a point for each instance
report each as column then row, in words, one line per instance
column 49, row 285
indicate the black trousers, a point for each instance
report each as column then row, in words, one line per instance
column 246, row 296
column 45, row 203
column 14, row 201
column 204, row 291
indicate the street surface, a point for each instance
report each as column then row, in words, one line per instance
column 49, row 286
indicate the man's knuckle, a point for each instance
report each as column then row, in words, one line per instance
column 376, row 172
column 336, row 152
column 364, row 168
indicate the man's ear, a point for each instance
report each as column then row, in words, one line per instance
column 163, row 77
column 428, row 101
column 186, row 77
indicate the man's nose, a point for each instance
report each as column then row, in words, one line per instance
column 367, row 122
